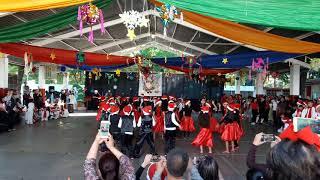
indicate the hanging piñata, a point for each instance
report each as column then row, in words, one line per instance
column 259, row 66
column 167, row 14
column 91, row 15
column 133, row 19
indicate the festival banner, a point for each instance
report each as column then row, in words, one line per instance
column 150, row 84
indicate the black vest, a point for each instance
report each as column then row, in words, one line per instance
column 168, row 120
column 114, row 119
column 127, row 124
column 146, row 124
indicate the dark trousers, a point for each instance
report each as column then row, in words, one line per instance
column 145, row 137
column 126, row 144
column 254, row 115
column 170, row 140
column 274, row 115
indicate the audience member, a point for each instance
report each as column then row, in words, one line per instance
column 207, row 167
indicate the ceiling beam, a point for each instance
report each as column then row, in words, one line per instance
column 115, row 43
column 209, row 46
column 184, row 44
column 2, row 14
column 192, row 39
column 85, row 30
column 301, row 63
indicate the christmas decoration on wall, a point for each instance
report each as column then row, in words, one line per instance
column 133, row 19
column 28, row 64
column 97, row 73
column 259, row 65
column 90, row 14
column 167, row 14
column 315, row 64
column 118, row 72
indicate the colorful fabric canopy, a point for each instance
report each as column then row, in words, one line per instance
column 103, row 68
column 35, row 5
column 247, row 35
column 289, row 14
column 61, row 56
column 203, row 71
column 44, row 25
column 234, row 61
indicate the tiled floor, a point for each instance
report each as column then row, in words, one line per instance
column 56, row 150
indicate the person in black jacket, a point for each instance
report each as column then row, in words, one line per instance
column 114, row 118
column 126, row 124
column 146, row 122
column 170, row 129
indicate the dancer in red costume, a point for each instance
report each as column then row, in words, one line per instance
column 103, row 106
column 187, row 123
column 204, row 138
column 159, row 117
column 232, row 131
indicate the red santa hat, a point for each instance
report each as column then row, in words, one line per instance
column 164, row 97
column 146, row 98
column 114, row 109
column 105, row 106
column 127, row 109
column 207, row 104
column 135, row 99
column 237, row 106
column 205, row 109
column 152, row 170
column 102, row 98
column 187, row 102
column 147, row 110
column 225, row 102
column 158, row 102
column 112, row 102
column 232, row 107
column 171, row 106
column 301, row 103
column 172, row 98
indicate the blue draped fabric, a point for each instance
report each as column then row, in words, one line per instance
column 103, row 68
column 235, row 61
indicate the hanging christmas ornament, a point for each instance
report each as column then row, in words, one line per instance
column 118, row 72
column 90, row 14
column 133, row 19
column 259, row 66
column 225, row 60
column 167, row 14
column 80, row 57
column 52, row 56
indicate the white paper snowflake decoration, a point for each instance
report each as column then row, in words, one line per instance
column 133, row 19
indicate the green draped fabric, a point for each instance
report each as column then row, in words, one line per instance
column 41, row 26
column 289, row 14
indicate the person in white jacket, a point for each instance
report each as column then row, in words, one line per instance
column 30, row 111
column 309, row 111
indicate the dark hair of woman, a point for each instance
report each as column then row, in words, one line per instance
column 109, row 166
column 255, row 174
column 204, row 120
column 208, row 168
column 289, row 160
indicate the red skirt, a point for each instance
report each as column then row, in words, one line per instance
column 231, row 132
column 213, row 125
column 204, row 138
column 187, row 124
column 159, row 127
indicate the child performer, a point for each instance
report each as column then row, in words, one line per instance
column 170, row 128
column 310, row 111
column 187, row 123
column 30, row 111
column 114, row 118
column 146, row 122
column 204, row 138
column 159, row 117
column 127, row 124
column 300, row 107
column 231, row 131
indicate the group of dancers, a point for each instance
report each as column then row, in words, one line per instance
column 143, row 118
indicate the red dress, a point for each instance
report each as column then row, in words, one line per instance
column 213, row 124
column 159, row 127
column 187, row 123
column 204, row 138
column 231, row 132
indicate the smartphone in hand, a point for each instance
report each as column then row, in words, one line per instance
column 104, row 129
column 268, row 138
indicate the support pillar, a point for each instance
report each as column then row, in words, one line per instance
column 41, row 77
column 65, row 80
column 259, row 85
column 4, row 70
column 295, row 80
column 237, row 84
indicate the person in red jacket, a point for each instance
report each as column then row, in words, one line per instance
column 159, row 117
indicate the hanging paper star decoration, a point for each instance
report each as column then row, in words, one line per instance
column 52, row 56
column 225, row 60
column 133, row 19
column 167, row 14
column 118, row 72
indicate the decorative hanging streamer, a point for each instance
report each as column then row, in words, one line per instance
column 65, row 57
column 240, row 33
column 90, row 14
column 36, row 5
column 41, row 26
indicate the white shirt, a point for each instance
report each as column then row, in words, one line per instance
column 305, row 113
column 174, row 121
column 274, row 105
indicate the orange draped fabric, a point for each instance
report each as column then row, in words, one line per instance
column 247, row 35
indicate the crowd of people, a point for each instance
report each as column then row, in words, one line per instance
column 142, row 119
column 34, row 106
